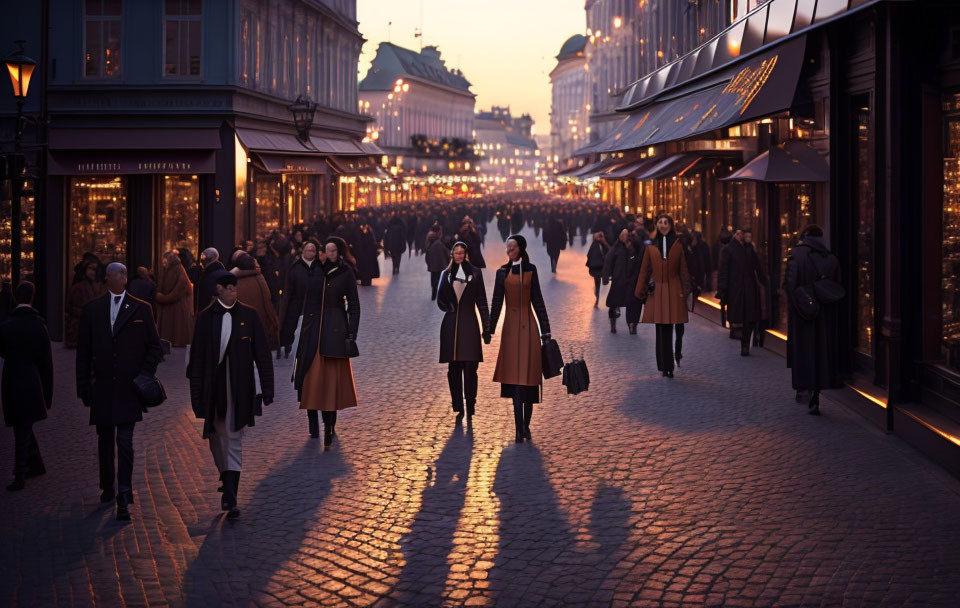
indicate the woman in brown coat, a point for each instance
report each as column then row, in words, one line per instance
column 662, row 286
column 175, row 302
column 85, row 288
column 518, row 364
column 253, row 290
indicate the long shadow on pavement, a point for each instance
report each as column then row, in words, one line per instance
column 238, row 559
column 430, row 540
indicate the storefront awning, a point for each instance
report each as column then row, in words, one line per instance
column 129, row 162
column 255, row 140
column 134, row 139
column 678, row 165
column 278, row 163
column 762, row 86
column 353, row 166
column 790, row 162
column 629, row 170
column 594, row 169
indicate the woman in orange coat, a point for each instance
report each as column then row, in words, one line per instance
column 662, row 286
column 175, row 302
column 519, row 370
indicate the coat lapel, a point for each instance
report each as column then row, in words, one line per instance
column 127, row 309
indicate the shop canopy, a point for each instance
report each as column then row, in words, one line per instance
column 132, row 151
column 630, row 170
column 272, row 142
column 790, row 162
column 678, row 165
column 353, row 166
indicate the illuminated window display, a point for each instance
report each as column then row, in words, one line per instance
column 178, row 225
column 302, row 197
column 950, row 277
column 267, row 194
column 98, row 218
column 865, row 216
column 27, row 219
column 797, row 210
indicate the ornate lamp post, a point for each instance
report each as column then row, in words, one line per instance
column 303, row 110
column 20, row 67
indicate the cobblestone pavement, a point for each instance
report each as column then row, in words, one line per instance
column 714, row 488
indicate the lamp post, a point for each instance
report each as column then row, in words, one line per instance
column 303, row 110
column 20, row 67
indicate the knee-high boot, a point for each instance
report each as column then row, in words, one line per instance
column 313, row 423
column 518, row 419
column 527, row 414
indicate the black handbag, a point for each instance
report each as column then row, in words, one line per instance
column 806, row 302
column 576, row 377
column 826, row 289
column 550, row 358
column 149, row 390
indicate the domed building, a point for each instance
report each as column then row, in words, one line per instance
column 568, row 107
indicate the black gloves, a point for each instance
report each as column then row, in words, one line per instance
column 486, row 337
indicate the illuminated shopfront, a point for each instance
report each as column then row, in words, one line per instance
column 98, row 219
column 950, row 265
column 27, row 233
column 180, row 208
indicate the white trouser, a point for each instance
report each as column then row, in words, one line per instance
column 226, row 445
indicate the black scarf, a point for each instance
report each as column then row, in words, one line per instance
column 658, row 242
column 467, row 271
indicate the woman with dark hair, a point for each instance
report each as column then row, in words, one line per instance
column 322, row 373
column 663, row 285
column 518, row 368
column 813, row 348
column 461, row 291
column 620, row 266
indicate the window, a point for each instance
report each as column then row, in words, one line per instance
column 98, row 219
column 864, row 190
column 950, row 278
column 182, row 38
column 101, row 42
column 178, row 216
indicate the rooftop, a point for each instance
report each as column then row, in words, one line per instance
column 393, row 62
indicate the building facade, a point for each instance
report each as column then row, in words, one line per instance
column 568, row 102
column 422, row 118
column 626, row 40
column 170, row 126
column 508, row 153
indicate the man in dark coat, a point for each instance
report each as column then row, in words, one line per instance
column 27, row 385
column 213, row 269
column 471, row 238
column 704, row 261
column 117, row 342
column 395, row 241
column 813, row 345
column 437, row 257
column 555, row 238
column 738, row 286
column 228, row 340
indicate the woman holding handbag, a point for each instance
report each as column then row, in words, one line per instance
column 662, row 286
column 322, row 373
column 519, row 364
column 812, row 285
column 460, row 291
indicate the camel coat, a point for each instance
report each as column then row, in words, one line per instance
column 671, row 278
column 252, row 290
column 175, row 305
column 519, row 362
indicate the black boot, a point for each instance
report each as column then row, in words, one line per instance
column 613, row 325
column 229, row 500
column 518, row 421
column 313, row 423
column 527, row 414
column 123, row 502
column 813, row 408
column 471, row 409
column 220, row 489
column 632, row 327
column 17, row 484
column 744, row 350
column 235, row 512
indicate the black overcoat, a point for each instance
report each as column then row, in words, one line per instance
column 395, row 238
column 27, row 384
column 302, row 279
column 739, row 280
column 207, row 287
column 555, row 238
column 248, row 345
column 367, row 265
column 460, row 338
column 331, row 314
column 622, row 266
column 813, row 347
column 596, row 256
column 437, row 256
column 108, row 361
column 471, row 239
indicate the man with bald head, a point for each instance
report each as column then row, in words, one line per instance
column 117, row 341
column 213, row 269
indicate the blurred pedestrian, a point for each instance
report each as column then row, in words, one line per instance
column 85, row 288
column 26, row 388
column 519, row 367
column 228, row 341
column 118, row 341
column 738, row 286
column 461, row 291
column 323, row 375
column 213, row 269
column 174, row 302
column 596, row 256
column 395, row 241
column 662, row 285
column 813, row 341
column 555, row 239
column 303, row 278
column 437, row 258
column 253, row 291
column 618, row 268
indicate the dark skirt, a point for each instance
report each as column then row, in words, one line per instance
column 524, row 393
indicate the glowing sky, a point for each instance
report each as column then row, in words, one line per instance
column 506, row 48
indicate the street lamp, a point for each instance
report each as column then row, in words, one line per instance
column 303, row 110
column 21, row 69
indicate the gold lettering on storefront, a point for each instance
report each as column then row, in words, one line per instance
column 164, row 166
column 97, row 167
column 747, row 84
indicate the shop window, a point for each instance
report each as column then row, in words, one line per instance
column 864, row 207
column 302, row 197
column 178, row 215
column 101, row 43
column 98, row 219
column 182, row 38
column 950, row 279
column 28, row 208
column 267, row 194
column 798, row 210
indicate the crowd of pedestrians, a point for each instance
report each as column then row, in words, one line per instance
column 298, row 291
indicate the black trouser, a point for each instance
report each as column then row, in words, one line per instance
column 26, row 451
column 396, row 262
column 462, row 377
column 679, row 344
column 434, row 283
column 747, row 331
column 122, row 435
column 613, row 312
column 596, row 287
column 553, row 262
column 522, row 412
column 634, row 308
column 665, row 347
column 328, row 418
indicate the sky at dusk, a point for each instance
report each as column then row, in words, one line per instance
column 506, row 48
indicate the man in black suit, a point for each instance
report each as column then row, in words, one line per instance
column 27, row 385
column 213, row 269
column 118, row 341
column 228, row 339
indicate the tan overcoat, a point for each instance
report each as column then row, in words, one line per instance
column 671, row 278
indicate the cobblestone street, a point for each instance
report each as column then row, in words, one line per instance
column 714, row 488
